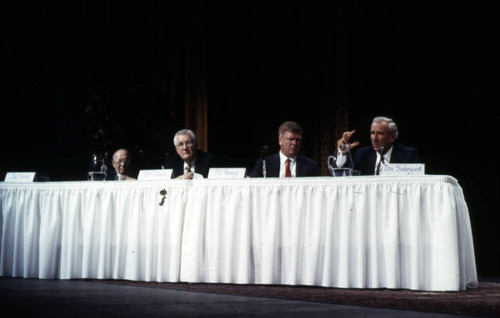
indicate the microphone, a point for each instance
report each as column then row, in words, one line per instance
column 165, row 158
column 263, row 151
column 381, row 151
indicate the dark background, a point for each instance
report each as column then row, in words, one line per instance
column 82, row 77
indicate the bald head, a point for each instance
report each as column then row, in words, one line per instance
column 121, row 161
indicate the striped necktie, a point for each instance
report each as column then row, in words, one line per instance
column 288, row 173
column 377, row 172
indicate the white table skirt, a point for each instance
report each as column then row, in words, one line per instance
column 354, row 232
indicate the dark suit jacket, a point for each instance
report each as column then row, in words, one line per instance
column 111, row 174
column 365, row 157
column 202, row 165
column 305, row 167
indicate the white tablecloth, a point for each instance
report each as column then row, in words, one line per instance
column 354, row 232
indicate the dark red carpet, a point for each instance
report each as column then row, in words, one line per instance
column 484, row 300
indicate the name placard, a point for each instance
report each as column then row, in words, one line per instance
column 155, row 174
column 20, row 176
column 402, row 169
column 226, row 173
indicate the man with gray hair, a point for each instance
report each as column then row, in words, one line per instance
column 189, row 158
column 384, row 148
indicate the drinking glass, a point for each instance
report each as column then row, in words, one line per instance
column 97, row 168
column 340, row 163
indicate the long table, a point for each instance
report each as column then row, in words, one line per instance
column 351, row 232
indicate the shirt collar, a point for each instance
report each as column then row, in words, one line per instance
column 387, row 155
column 283, row 158
column 191, row 165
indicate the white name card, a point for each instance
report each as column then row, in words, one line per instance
column 20, row 176
column 155, row 174
column 226, row 173
column 402, row 169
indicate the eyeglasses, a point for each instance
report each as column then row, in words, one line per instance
column 121, row 161
column 188, row 143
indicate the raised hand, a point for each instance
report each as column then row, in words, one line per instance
column 344, row 140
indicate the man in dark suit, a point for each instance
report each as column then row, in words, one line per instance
column 383, row 149
column 288, row 162
column 189, row 158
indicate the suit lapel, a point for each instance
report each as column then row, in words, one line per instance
column 299, row 167
column 179, row 169
column 273, row 166
column 395, row 153
column 200, row 164
column 371, row 162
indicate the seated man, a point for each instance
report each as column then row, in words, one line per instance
column 121, row 165
column 288, row 162
column 384, row 148
column 189, row 158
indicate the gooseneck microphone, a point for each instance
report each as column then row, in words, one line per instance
column 262, row 156
column 381, row 151
column 164, row 159
column 263, row 151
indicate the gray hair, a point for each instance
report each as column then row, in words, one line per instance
column 185, row 132
column 393, row 128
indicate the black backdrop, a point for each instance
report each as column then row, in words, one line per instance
column 79, row 77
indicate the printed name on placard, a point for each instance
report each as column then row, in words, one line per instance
column 155, row 174
column 20, row 177
column 398, row 169
column 226, row 173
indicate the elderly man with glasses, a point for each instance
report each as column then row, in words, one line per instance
column 189, row 159
column 121, row 165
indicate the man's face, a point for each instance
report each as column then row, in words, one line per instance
column 121, row 162
column 381, row 136
column 290, row 143
column 185, row 147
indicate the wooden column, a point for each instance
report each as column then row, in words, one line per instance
column 335, row 119
column 341, row 73
column 196, row 116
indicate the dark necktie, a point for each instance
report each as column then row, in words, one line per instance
column 288, row 173
column 377, row 172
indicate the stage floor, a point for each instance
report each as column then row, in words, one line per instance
column 107, row 298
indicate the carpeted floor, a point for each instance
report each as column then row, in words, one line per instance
column 484, row 300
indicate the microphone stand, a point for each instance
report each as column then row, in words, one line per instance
column 381, row 152
column 262, row 153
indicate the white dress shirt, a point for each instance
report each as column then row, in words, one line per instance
column 121, row 177
column 387, row 159
column 192, row 165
